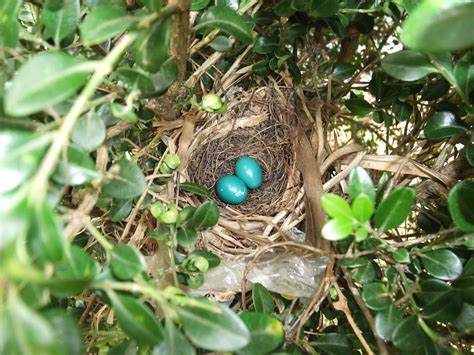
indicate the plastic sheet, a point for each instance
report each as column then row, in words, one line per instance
column 284, row 273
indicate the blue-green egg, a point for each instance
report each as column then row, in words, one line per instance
column 231, row 189
column 250, row 171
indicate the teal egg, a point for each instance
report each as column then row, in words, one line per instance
column 250, row 171
column 231, row 189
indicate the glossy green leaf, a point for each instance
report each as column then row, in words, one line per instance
column 362, row 208
column 336, row 207
column 376, row 296
column 66, row 331
column 464, row 286
column 46, row 238
column 198, row 5
column 408, row 65
column 443, row 125
column 407, row 334
column 402, row 110
column 442, row 264
column 126, row 261
column 262, row 299
column 266, row 333
column 9, row 26
column 211, row 258
column 358, row 107
column 136, row 319
column 74, row 273
column 227, row 20
column 104, row 23
column 120, row 209
column 211, row 325
column 152, row 5
column 323, row 8
column 386, row 322
column 464, row 74
column 460, row 205
column 24, row 331
column 300, row 5
column 445, row 308
column 338, row 228
column 130, row 181
column 221, row 44
column 401, row 255
column 62, row 23
column 152, row 47
column 265, row 44
column 360, row 182
column 89, row 131
column 46, row 79
column 431, row 289
column 196, row 189
column 78, row 169
column 394, row 209
column 283, row 8
column 333, row 343
column 187, row 237
column 465, row 320
column 439, row 26
column 174, row 343
column 20, row 155
column 261, row 68
column 135, row 78
column 365, row 273
column 205, row 216
column 343, row 71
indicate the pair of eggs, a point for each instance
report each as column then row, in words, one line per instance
column 233, row 189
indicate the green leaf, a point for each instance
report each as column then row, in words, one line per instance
column 227, row 20
column 376, row 296
column 358, row 107
column 402, row 110
column 265, row 44
column 136, row 319
column 152, row 5
column 152, row 46
column 266, row 333
column 435, row 90
column 120, row 209
column 460, row 205
column 333, row 343
column 46, row 237
column 408, row 334
column 166, row 75
column 74, row 273
column 47, row 79
column 66, row 331
column 175, row 343
column 89, row 131
column 187, row 237
column 443, row 125
column 362, row 208
column 196, row 189
column 401, row 255
column 20, row 155
column 360, row 182
column 126, row 261
column 323, row 8
column 221, row 44
column 444, row 308
column 103, row 23
column 78, row 169
column 262, row 299
column 336, row 207
column 386, row 322
column 430, row 289
column 394, row 209
column 465, row 320
column 464, row 74
column 442, row 264
column 130, row 181
column 62, row 23
column 300, row 5
column 124, row 113
column 9, row 27
column 283, row 8
column 211, row 258
column 338, row 228
column 24, row 331
column 408, row 65
column 205, row 216
column 343, row 71
column 439, row 26
column 198, row 5
column 365, row 273
column 211, row 326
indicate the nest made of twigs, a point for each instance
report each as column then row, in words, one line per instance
column 257, row 124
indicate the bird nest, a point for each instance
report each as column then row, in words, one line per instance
column 257, row 124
